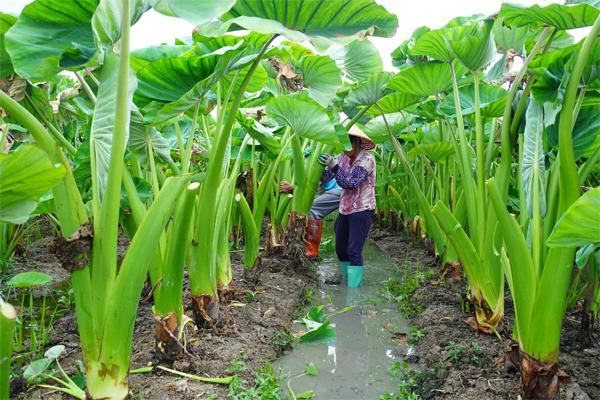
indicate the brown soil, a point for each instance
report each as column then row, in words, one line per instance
column 467, row 364
column 246, row 332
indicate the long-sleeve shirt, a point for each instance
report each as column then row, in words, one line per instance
column 357, row 180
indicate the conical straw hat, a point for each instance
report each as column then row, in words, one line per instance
column 366, row 143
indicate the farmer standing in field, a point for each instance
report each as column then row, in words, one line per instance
column 354, row 172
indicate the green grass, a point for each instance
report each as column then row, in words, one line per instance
column 401, row 287
column 266, row 386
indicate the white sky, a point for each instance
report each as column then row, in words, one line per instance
column 154, row 28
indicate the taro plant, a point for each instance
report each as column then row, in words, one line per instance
column 8, row 316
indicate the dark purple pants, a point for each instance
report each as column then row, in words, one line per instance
column 350, row 235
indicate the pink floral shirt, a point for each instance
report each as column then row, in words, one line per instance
column 357, row 181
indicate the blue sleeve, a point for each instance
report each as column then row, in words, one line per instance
column 327, row 175
column 352, row 178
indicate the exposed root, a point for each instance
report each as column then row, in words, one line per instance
column 206, row 310
column 540, row 379
column 73, row 252
column 295, row 247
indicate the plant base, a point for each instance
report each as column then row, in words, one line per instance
column 206, row 310
column 106, row 384
column 166, row 329
column 540, row 379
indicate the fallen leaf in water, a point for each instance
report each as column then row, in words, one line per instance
column 400, row 338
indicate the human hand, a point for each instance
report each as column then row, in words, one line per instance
column 286, row 187
column 327, row 160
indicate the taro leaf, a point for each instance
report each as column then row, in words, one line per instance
column 300, row 19
column 473, row 44
column 533, row 158
column 377, row 130
column 54, row 352
column 316, row 313
column 433, row 44
column 304, row 116
column 230, row 60
column 434, row 151
column 556, row 15
column 585, row 132
column 36, row 368
column 425, row 79
column 584, row 253
column 169, row 77
column 370, row 91
column 103, row 122
column 53, row 35
column 509, row 37
column 311, row 369
column 261, row 133
column 359, row 59
column 491, row 100
column 317, row 331
column 141, row 136
column 402, row 55
column 46, row 39
column 25, row 176
column 29, row 279
column 580, row 224
column 396, row 102
column 309, row 394
column 107, row 18
column 6, row 21
column 321, row 77
column 194, row 11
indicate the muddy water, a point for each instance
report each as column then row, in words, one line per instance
column 353, row 365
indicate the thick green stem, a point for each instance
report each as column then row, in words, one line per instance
column 503, row 171
column 8, row 316
column 106, row 229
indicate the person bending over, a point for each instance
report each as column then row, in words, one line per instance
column 354, row 172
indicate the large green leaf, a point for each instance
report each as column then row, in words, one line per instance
column 103, row 121
column 168, row 78
column 194, row 11
column 25, row 176
column 425, row 79
column 556, row 15
column 370, row 91
column 585, row 131
column 509, row 37
column 261, row 133
column 435, row 151
column 301, row 19
column 6, row 21
column 491, row 100
column 376, row 128
column 433, row 44
column 321, row 77
column 29, row 279
column 473, row 44
column 580, row 224
column 533, row 158
column 53, row 35
column 395, row 102
column 402, row 55
column 304, row 116
column 140, row 137
column 358, row 59
column 46, row 39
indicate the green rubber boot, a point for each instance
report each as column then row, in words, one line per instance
column 344, row 268
column 355, row 275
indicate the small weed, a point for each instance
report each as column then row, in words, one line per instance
column 400, row 290
column 307, row 297
column 282, row 339
column 237, row 366
column 266, row 386
column 415, row 335
column 458, row 353
column 411, row 385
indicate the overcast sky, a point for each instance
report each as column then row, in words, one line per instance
column 154, row 28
